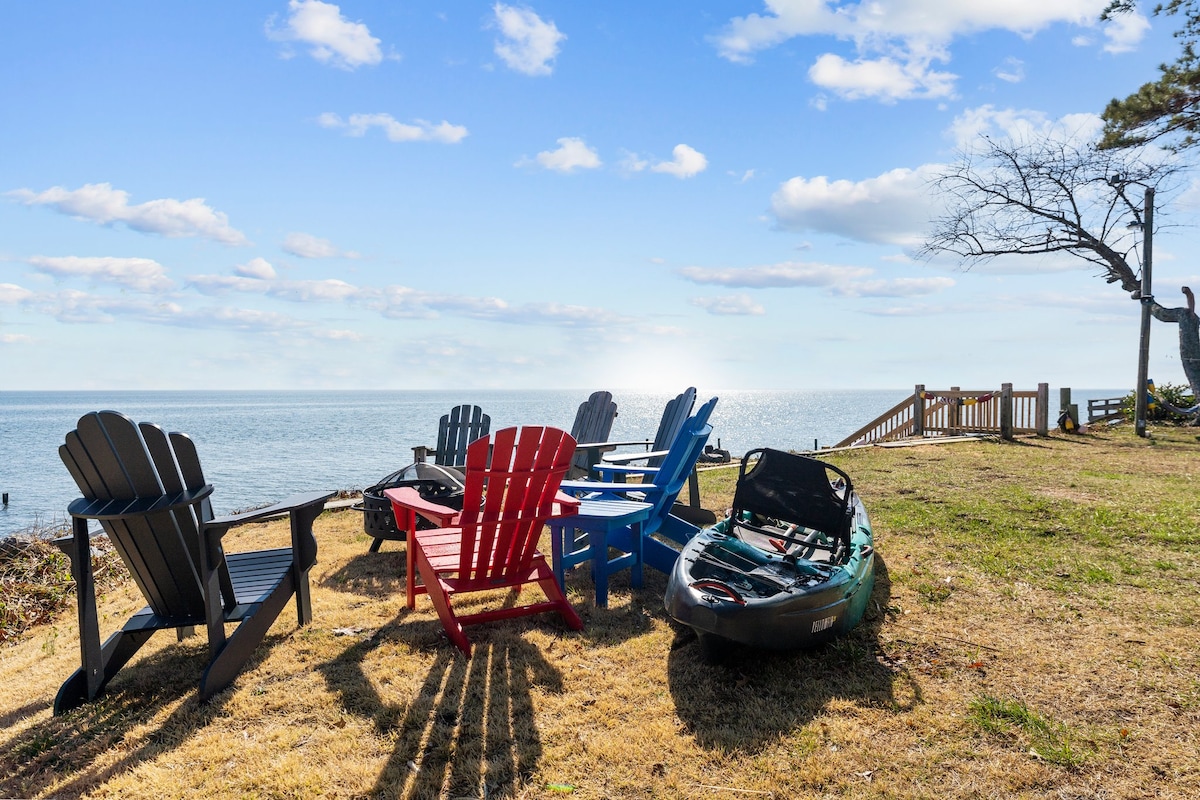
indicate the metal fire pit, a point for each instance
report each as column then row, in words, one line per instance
column 443, row 485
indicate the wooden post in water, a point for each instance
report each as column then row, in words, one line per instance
column 1043, row 409
column 1006, row 411
column 918, row 428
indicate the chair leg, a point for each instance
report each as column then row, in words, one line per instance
column 115, row 653
column 554, row 592
column 441, row 599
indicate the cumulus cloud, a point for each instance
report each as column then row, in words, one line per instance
column 687, row 162
column 730, row 305
column 1125, row 31
column 334, row 39
column 892, row 208
column 305, row 245
column 11, row 294
column 971, row 125
column 572, row 154
column 104, row 205
column 529, row 44
column 884, row 79
column 417, row 131
column 139, row 274
column 258, row 268
column 896, row 42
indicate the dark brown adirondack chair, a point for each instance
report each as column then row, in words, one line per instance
column 593, row 423
column 147, row 490
column 463, row 425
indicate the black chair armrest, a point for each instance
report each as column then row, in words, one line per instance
column 293, row 503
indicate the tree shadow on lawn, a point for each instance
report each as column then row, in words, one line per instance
column 753, row 696
column 66, row 748
column 470, row 729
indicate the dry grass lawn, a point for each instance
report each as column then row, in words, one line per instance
column 1033, row 634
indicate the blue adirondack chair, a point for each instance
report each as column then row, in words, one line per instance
column 659, row 488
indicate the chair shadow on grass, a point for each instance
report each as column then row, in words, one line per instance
column 746, row 701
column 376, row 575
column 469, row 730
column 60, row 753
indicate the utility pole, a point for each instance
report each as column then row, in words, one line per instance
column 1146, row 297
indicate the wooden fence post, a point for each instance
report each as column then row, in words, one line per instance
column 1043, row 409
column 1006, row 411
column 954, row 413
column 918, row 428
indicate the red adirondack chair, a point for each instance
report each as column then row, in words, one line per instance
column 512, row 480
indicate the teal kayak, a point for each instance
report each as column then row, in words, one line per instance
column 791, row 567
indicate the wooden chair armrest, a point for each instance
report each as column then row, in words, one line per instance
column 293, row 503
column 565, row 505
column 410, row 498
column 625, row 458
column 607, row 471
column 107, row 510
column 584, row 488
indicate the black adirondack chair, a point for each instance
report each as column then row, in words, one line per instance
column 147, row 491
column 463, row 425
column 593, row 423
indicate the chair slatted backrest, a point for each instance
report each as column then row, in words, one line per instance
column 512, row 479
column 594, row 419
column 677, row 464
column 110, row 460
column 593, row 424
column 456, row 430
column 795, row 489
column 675, row 413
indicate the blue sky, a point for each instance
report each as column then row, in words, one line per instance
column 421, row 195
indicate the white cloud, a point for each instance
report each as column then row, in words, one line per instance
column 884, row 79
column 418, row 131
column 15, row 338
column 529, row 43
column 572, row 154
column 729, row 305
column 896, row 41
column 631, row 163
column 1020, row 125
column 104, row 205
column 893, row 208
column 305, row 245
column 140, row 274
column 786, row 274
column 895, row 287
column 1011, row 71
column 258, row 268
column 334, row 39
column 687, row 162
column 11, row 294
column 1125, row 31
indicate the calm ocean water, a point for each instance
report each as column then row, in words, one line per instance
column 259, row 447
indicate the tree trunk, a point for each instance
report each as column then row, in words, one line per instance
column 1189, row 338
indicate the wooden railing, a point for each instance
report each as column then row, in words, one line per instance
column 1105, row 409
column 955, row 412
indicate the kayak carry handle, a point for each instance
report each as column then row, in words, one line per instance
column 729, row 591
